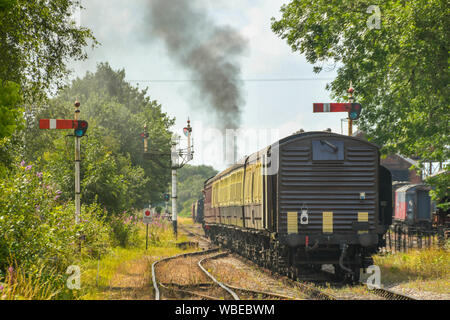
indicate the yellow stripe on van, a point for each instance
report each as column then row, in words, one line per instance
column 292, row 222
column 363, row 217
column 327, row 222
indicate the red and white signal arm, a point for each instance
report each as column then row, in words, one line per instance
column 57, row 124
column 147, row 216
column 331, row 107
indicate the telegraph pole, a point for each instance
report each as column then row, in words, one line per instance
column 77, row 169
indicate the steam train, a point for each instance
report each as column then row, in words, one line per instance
column 307, row 200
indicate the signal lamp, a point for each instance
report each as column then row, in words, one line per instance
column 80, row 128
column 354, row 112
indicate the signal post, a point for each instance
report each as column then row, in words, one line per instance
column 80, row 127
column 175, row 154
column 77, row 168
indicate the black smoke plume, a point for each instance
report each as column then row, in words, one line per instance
column 209, row 52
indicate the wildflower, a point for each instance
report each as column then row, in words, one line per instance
column 28, row 167
column 11, row 269
column 58, row 191
column 56, row 197
column 22, row 163
column 39, row 174
column 1, row 287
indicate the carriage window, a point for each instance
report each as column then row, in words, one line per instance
column 328, row 150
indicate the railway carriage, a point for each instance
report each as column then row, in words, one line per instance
column 197, row 211
column 310, row 199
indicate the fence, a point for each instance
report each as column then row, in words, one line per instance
column 398, row 239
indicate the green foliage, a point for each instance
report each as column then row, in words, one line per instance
column 10, row 112
column 441, row 190
column 160, row 233
column 400, row 71
column 37, row 38
column 190, row 185
column 125, row 229
column 37, row 227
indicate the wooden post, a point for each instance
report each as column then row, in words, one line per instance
column 146, row 238
column 350, row 100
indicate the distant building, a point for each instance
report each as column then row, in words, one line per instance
column 398, row 165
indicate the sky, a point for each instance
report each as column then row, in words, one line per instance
column 271, row 109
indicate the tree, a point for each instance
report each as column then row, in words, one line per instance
column 399, row 68
column 113, row 165
column 191, row 180
column 37, row 38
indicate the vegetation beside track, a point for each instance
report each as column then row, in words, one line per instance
column 126, row 272
column 424, row 270
column 118, row 273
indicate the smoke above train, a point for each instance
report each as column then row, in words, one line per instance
column 209, row 52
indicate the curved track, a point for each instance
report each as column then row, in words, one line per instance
column 183, row 255
column 231, row 292
column 190, row 290
column 198, row 289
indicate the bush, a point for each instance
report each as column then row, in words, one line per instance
column 160, row 232
column 36, row 228
column 125, row 231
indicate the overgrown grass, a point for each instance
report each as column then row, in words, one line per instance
column 43, row 283
column 185, row 220
column 425, row 264
column 422, row 270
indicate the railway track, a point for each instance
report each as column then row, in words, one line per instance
column 206, row 290
column 389, row 294
column 308, row 287
column 203, row 241
column 156, row 283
